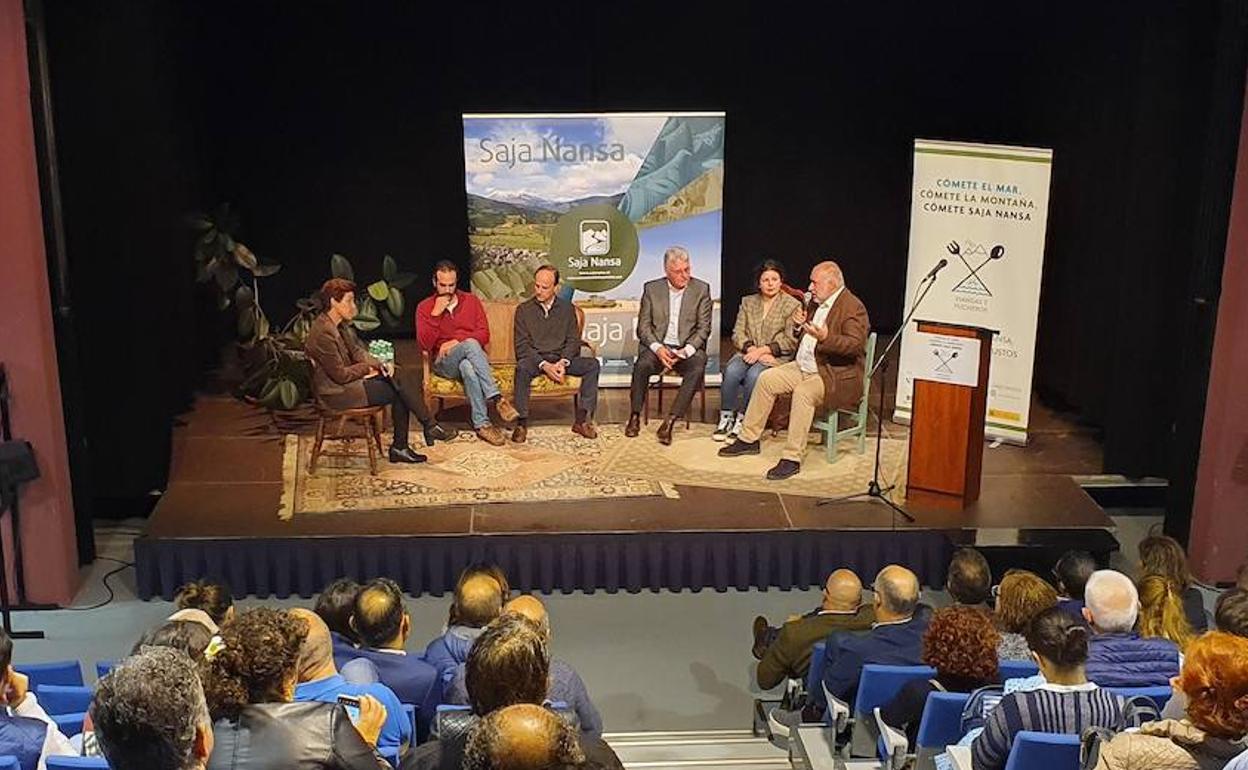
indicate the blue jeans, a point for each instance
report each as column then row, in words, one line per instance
column 467, row 363
column 739, row 379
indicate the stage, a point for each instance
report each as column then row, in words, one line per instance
column 219, row 517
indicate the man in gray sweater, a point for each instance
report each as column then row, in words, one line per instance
column 548, row 344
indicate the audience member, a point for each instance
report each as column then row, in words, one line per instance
column 383, row 627
column 1162, row 555
column 1215, row 682
column 969, row 581
column 477, row 601
column 26, row 731
column 249, row 684
column 335, row 606
column 1021, row 596
column 320, row 681
column 1241, row 576
column 185, row 635
column 212, row 598
column 1161, row 612
column 522, row 737
column 785, row 652
column 197, row 616
column 149, row 713
column 1231, row 612
column 1071, row 573
column 1067, row 703
column 489, row 570
column 1117, row 656
column 961, row 644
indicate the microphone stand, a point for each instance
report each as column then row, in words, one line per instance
column 874, row 491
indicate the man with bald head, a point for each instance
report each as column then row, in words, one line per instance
column 827, row 373
column 320, row 681
column 522, row 737
column 478, row 600
column 785, row 652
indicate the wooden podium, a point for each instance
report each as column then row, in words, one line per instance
column 947, row 419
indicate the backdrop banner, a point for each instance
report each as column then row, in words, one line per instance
column 600, row 197
column 983, row 208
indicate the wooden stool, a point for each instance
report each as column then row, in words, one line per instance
column 370, row 418
column 661, row 385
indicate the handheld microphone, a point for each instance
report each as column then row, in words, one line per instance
column 797, row 328
column 939, row 266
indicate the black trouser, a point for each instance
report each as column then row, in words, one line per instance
column 691, row 371
column 582, row 366
column 386, row 390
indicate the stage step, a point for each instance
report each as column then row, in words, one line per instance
column 737, row 749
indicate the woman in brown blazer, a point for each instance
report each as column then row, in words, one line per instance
column 346, row 376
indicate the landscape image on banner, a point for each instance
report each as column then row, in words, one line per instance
column 600, row 197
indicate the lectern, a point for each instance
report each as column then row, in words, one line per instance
column 947, row 414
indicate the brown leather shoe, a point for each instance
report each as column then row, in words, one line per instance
column 665, row 431
column 585, row 429
column 520, row 434
column 634, row 425
column 506, row 410
column 491, row 435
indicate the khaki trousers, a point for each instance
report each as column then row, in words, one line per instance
column 807, row 392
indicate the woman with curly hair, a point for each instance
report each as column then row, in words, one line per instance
column 212, row 598
column 1021, row 596
column 961, row 644
column 1161, row 612
column 1162, row 555
column 1215, row 680
column 249, row 683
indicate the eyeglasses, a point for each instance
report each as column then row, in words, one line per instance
column 996, row 591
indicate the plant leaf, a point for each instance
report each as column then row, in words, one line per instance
column 263, row 271
column 226, row 275
column 244, row 297
column 263, row 330
column 379, row 291
column 388, row 319
column 199, row 221
column 289, row 394
column 246, row 323
column 402, row 280
column 365, row 323
column 388, row 267
column 244, row 257
column 226, row 240
column 223, row 301
column 340, row 266
column 395, row 302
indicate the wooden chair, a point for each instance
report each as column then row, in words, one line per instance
column 370, row 418
column 830, row 424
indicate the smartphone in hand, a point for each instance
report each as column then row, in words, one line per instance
column 352, row 704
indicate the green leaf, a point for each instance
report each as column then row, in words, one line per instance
column 270, row 389
column 226, row 275
column 246, row 324
column 223, row 301
column 367, row 308
column 199, row 221
column 395, row 301
column 263, row 271
column 388, row 267
column 402, row 280
column 244, row 297
column 308, row 304
column 340, row 266
column 365, row 323
column 289, row 394
column 244, row 257
column 379, row 291
column 263, row 330
column 226, row 241
column 388, row 319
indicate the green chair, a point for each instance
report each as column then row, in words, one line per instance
column 832, row 432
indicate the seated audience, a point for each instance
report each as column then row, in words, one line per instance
column 1231, row 612
column 335, row 606
column 197, row 616
column 477, row 601
column 26, row 731
column 320, row 681
column 1021, row 596
column 969, row 581
column 785, row 652
column 1071, row 573
column 1161, row 612
column 212, row 598
column 522, row 737
column 1215, row 682
column 150, row 714
column 564, row 686
column 961, row 644
column 249, row 684
column 489, row 570
column 1067, row 702
column 383, row 627
column 1117, row 655
column 1162, row 555
column 185, row 635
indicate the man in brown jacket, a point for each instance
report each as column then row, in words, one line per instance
column 827, row 372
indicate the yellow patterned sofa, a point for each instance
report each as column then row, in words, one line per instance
column 440, row 391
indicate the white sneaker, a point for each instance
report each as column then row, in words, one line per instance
column 737, row 424
column 721, row 430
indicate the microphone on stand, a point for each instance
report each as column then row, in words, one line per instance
column 939, row 266
column 797, row 328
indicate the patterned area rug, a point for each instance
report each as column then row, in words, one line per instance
column 555, row 464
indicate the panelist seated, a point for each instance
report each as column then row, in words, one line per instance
column 548, row 344
column 827, row 371
column 673, row 325
column 346, row 376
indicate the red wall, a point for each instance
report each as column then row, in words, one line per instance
column 27, row 344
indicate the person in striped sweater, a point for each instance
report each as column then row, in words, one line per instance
column 1067, row 703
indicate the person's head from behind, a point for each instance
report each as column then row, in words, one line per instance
column 1230, row 614
column 445, row 278
column 149, row 713
column 1161, row 611
column 532, row 609
column 961, row 641
column 508, row 664
column 378, row 618
column 1072, row 572
column 212, row 598
column 896, row 593
column 258, row 661
column 842, row 591
column 478, row 601
column 969, row 580
column 769, row 277
column 522, row 737
column 1215, row 680
column 336, row 604
column 1059, row 644
column 1111, row 603
column 188, row 636
column 6, row 660
column 337, row 297
column 1162, row 555
column 1021, row 596
column 316, row 653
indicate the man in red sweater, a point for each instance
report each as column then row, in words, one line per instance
column 452, row 328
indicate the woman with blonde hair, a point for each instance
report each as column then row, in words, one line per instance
column 1161, row 611
column 1163, row 555
column 1021, row 596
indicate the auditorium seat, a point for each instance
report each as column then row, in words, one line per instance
column 877, row 686
column 62, row 672
column 9, row 762
column 69, row 724
column 103, row 667
column 1159, row 695
column 75, row 763
column 1017, row 669
column 1043, row 751
column 63, row 699
column 940, row 726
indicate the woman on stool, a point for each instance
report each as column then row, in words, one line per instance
column 347, row 377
